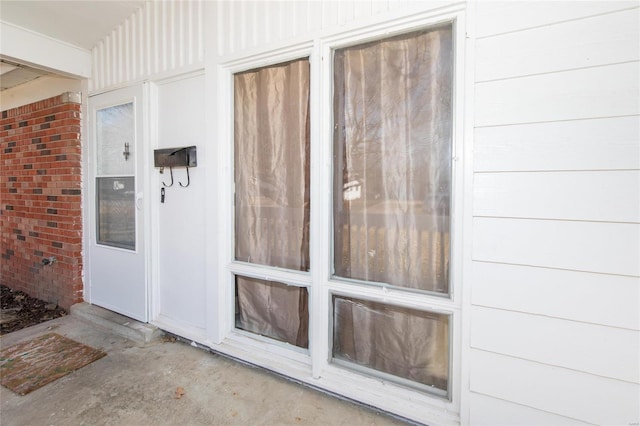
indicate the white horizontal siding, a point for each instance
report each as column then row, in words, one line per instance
column 566, row 392
column 556, row 202
column 607, row 91
column 612, row 196
column 489, row 411
column 161, row 37
column 594, row 41
column 498, row 17
column 599, row 144
column 601, row 350
column 611, row 300
column 609, row 248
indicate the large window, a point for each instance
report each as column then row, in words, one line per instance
column 391, row 201
column 272, row 204
column 359, row 284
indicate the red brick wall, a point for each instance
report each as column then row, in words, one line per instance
column 40, row 201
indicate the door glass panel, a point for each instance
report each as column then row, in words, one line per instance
column 115, row 196
column 116, row 213
column 272, row 136
column 392, row 160
column 273, row 310
column 407, row 345
column 115, row 127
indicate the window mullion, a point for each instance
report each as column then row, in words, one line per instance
column 321, row 184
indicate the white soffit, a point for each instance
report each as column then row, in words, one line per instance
column 80, row 23
column 12, row 74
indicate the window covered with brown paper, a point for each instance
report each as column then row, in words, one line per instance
column 406, row 343
column 392, row 160
column 271, row 132
column 271, row 139
column 273, row 309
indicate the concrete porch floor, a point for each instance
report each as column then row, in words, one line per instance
column 135, row 384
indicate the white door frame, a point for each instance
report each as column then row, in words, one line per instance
column 139, row 93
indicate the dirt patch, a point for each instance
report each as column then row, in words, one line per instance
column 19, row 310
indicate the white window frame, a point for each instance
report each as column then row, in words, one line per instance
column 314, row 367
column 230, row 267
column 341, row 379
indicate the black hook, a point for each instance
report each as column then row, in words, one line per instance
column 171, row 184
column 188, row 180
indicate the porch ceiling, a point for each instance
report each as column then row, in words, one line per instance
column 79, row 23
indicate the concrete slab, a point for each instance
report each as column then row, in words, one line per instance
column 135, row 384
column 116, row 323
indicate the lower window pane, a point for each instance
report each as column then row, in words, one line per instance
column 407, row 344
column 116, row 212
column 273, row 310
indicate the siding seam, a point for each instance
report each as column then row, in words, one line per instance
column 551, row 365
column 533, row 408
column 555, row 268
column 485, row 126
column 558, row 71
column 550, row 219
column 552, row 317
column 519, row 30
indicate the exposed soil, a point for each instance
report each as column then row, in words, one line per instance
column 19, row 310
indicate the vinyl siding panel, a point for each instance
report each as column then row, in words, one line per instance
column 595, row 41
column 256, row 26
column 589, row 144
column 562, row 391
column 607, row 248
column 612, row 352
column 611, row 300
column 608, row 91
column 489, row 411
column 609, row 196
column 499, row 17
column 555, row 264
column 161, row 37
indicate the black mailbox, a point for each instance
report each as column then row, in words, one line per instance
column 175, row 157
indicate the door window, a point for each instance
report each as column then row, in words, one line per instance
column 115, row 179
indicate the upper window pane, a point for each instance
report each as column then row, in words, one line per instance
column 271, row 131
column 392, row 160
column 115, row 127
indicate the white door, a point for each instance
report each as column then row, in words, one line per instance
column 117, row 276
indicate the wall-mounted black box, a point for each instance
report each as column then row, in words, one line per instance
column 175, row 157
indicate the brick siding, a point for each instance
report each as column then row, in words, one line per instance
column 40, row 200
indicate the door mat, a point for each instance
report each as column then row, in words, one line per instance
column 27, row 366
